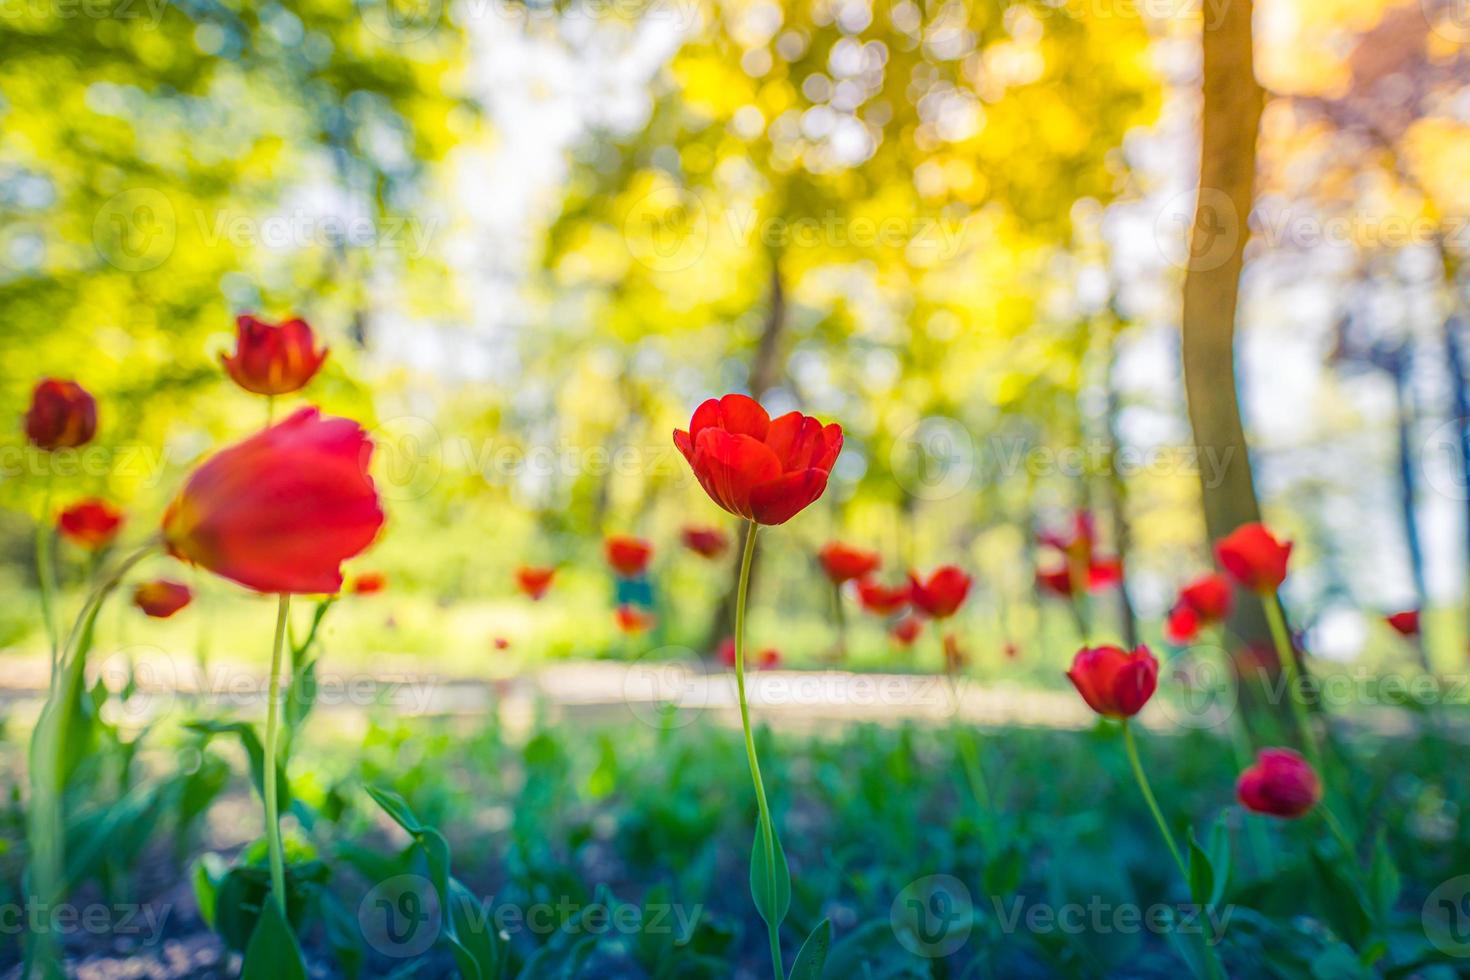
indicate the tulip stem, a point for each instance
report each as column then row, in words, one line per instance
column 1343, row 841
column 272, row 731
column 970, row 758
column 1148, row 797
column 46, row 572
column 1286, row 653
column 768, row 833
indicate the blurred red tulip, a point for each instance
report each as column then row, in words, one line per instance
column 1280, row 784
column 726, row 651
column 757, row 468
column 1077, row 542
column 881, row 599
column 767, row 659
column 501, row 643
column 1058, row 581
column 1406, row 622
column 1011, row 650
column 1182, row 625
column 1254, row 558
column 273, row 359
column 161, row 599
column 534, row 580
column 707, row 542
column 843, row 563
column 62, row 415
column 1055, row 581
column 632, row 620
column 369, row 583
column 1114, row 682
column 627, row 555
column 907, row 630
column 942, row 593
column 1210, row 596
column 282, row 510
column 90, row 523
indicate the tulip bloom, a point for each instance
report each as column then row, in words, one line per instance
column 369, row 583
column 1114, row 682
column 1205, row 601
column 62, row 415
column 628, row 555
column 273, row 359
column 843, row 563
column 1406, row 622
column 907, row 630
column 534, row 580
column 162, row 598
column 282, row 510
column 1062, row 583
column 632, row 620
column 1254, row 558
column 1280, row 784
column 767, row 659
column 501, row 643
column 763, row 470
column 883, row 600
column 707, row 542
column 92, row 524
column 940, row 596
column 1078, row 542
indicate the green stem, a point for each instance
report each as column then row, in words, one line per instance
column 974, row 773
column 1287, row 655
column 768, row 838
column 270, row 410
column 272, row 732
column 46, row 572
column 1148, row 796
column 1343, row 841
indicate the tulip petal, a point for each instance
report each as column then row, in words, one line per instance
column 729, row 466
column 778, row 501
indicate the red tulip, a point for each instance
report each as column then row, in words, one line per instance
column 1011, row 651
column 273, row 359
column 1183, row 625
column 727, row 652
column 90, row 523
column 369, row 583
column 707, row 542
column 843, row 563
column 1114, row 682
column 767, row 659
column 1078, row 542
column 632, row 620
column 161, row 599
column 942, row 593
column 281, row 511
column 1406, row 622
column 907, row 630
column 627, row 555
column 501, row 643
column 534, row 580
column 1254, row 558
column 757, row 468
column 1210, row 596
column 62, row 415
column 1280, row 784
column 1059, row 581
column 881, row 599
column 956, row 658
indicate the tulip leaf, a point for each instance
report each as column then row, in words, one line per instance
column 1384, row 882
column 1220, row 859
column 397, row 808
column 1003, row 872
column 813, row 956
column 273, row 953
column 770, row 882
column 1201, row 873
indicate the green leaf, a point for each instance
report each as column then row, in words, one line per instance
column 770, row 885
column 273, row 953
column 397, row 808
column 1201, row 873
column 1220, row 859
column 813, row 956
column 208, row 871
column 1384, row 882
column 1003, row 874
column 473, row 932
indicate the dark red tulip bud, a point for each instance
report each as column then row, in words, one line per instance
column 62, row 415
column 1280, row 783
column 161, row 599
column 1406, row 622
column 883, row 600
column 273, row 359
column 707, row 542
column 762, row 469
column 1114, row 682
column 1254, row 558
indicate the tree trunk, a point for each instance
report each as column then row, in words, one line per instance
column 1229, row 120
column 1460, row 388
column 765, row 371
